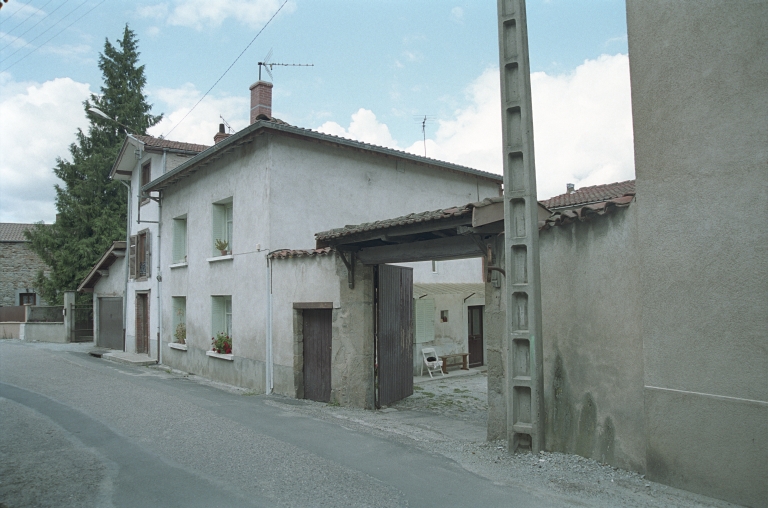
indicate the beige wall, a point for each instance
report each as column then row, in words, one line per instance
column 700, row 111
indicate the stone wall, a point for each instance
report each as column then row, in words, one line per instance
column 18, row 268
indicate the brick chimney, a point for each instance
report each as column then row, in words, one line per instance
column 221, row 135
column 261, row 100
column 570, row 188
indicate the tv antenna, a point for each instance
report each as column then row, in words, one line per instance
column 268, row 65
column 229, row 127
column 424, row 120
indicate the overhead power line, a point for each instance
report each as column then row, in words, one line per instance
column 30, row 15
column 228, row 68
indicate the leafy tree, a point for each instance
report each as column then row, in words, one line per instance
column 91, row 207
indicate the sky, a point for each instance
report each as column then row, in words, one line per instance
column 379, row 67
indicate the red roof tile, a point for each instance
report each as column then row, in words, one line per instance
column 173, row 145
column 593, row 194
column 288, row 253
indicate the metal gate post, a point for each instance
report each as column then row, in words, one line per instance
column 525, row 385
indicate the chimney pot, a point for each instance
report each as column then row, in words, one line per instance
column 221, row 135
column 261, row 101
column 570, row 188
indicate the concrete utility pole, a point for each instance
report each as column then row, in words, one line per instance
column 525, row 385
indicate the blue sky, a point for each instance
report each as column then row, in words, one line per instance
column 378, row 66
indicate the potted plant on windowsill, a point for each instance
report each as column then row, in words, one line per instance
column 180, row 335
column 222, row 246
column 222, row 344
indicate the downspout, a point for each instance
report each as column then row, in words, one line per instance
column 159, row 274
column 270, row 367
column 127, row 257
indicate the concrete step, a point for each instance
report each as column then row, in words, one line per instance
column 129, row 358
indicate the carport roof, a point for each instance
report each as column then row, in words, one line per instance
column 116, row 250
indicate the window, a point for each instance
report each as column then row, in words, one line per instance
column 424, row 313
column 139, row 263
column 221, row 315
column 179, row 240
column 443, row 316
column 27, row 299
column 146, row 177
column 179, row 319
column 222, row 228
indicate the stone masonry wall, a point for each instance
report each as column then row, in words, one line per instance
column 18, row 268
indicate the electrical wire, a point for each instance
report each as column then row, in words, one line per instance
column 25, row 19
column 228, row 68
column 56, row 34
column 41, row 20
column 46, row 30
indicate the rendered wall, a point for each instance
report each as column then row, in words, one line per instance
column 700, row 110
column 593, row 348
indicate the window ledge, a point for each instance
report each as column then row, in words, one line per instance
column 228, row 257
column 176, row 345
column 229, row 357
column 182, row 264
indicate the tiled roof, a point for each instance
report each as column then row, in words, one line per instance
column 413, row 218
column 288, row 253
column 593, row 194
column 13, row 232
column 245, row 136
column 586, row 212
column 173, row 145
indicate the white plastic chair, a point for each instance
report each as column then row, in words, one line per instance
column 431, row 361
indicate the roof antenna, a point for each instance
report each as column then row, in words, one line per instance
column 268, row 65
column 423, row 121
column 229, row 127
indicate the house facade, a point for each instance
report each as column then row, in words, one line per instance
column 140, row 160
column 267, row 188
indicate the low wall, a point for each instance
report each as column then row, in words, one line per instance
column 43, row 332
column 12, row 314
column 9, row 330
column 52, row 314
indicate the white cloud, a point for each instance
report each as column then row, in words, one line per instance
column 457, row 14
column 582, row 127
column 364, row 127
column 203, row 123
column 39, row 123
column 199, row 15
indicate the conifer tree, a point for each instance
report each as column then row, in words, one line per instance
column 91, row 207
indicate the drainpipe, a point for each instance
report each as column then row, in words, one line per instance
column 159, row 273
column 127, row 257
column 270, row 366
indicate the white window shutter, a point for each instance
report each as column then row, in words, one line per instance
column 219, row 225
column 425, row 320
column 229, row 223
column 217, row 315
column 179, row 240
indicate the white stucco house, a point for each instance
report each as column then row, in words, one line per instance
column 204, row 221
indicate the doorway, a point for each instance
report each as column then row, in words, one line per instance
column 110, row 323
column 317, row 354
column 393, row 287
column 475, row 335
column 142, row 323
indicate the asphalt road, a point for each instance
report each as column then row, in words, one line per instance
column 80, row 431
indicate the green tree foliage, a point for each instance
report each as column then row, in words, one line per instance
column 91, row 207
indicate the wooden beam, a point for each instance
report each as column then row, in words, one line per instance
column 312, row 305
column 456, row 247
column 403, row 230
column 487, row 214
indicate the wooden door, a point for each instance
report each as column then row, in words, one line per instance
column 394, row 328
column 110, row 323
column 317, row 354
column 142, row 323
column 475, row 336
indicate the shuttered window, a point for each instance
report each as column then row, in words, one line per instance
column 221, row 315
column 132, row 257
column 425, row 320
column 143, row 250
column 180, row 240
column 223, row 219
column 179, row 330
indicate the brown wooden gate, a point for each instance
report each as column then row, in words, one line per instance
column 142, row 323
column 394, row 333
column 317, row 354
column 475, row 335
column 110, row 323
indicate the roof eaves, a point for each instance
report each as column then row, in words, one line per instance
column 104, row 261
